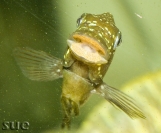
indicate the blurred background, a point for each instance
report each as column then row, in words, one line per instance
column 46, row 25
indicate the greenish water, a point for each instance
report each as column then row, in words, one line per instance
column 45, row 25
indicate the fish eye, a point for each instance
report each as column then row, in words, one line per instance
column 79, row 20
column 118, row 40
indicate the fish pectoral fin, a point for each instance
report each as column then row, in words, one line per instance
column 38, row 65
column 121, row 100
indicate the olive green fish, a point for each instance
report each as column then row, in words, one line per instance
column 90, row 51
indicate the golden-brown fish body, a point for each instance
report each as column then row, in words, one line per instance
column 88, row 57
column 75, row 92
column 90, row 51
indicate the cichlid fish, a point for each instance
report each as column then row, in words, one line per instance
column 89, row 54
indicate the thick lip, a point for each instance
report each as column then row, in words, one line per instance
column 86, row 52
column 90, row 41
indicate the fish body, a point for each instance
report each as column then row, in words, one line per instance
column 89, row 54
column 94, row 37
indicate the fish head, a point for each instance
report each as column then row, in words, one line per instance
column 95, row 38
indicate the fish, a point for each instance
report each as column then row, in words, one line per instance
column 90, row 50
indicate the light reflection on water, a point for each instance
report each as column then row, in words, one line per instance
column 45, row 26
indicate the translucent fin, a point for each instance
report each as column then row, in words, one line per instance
column 120, row 100
column 38, row 65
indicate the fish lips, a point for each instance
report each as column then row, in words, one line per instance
column 85, row 52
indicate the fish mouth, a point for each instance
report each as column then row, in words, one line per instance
column 90, row 41
column 86, row 52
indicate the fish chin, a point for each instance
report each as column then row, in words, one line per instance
column 85, row 52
